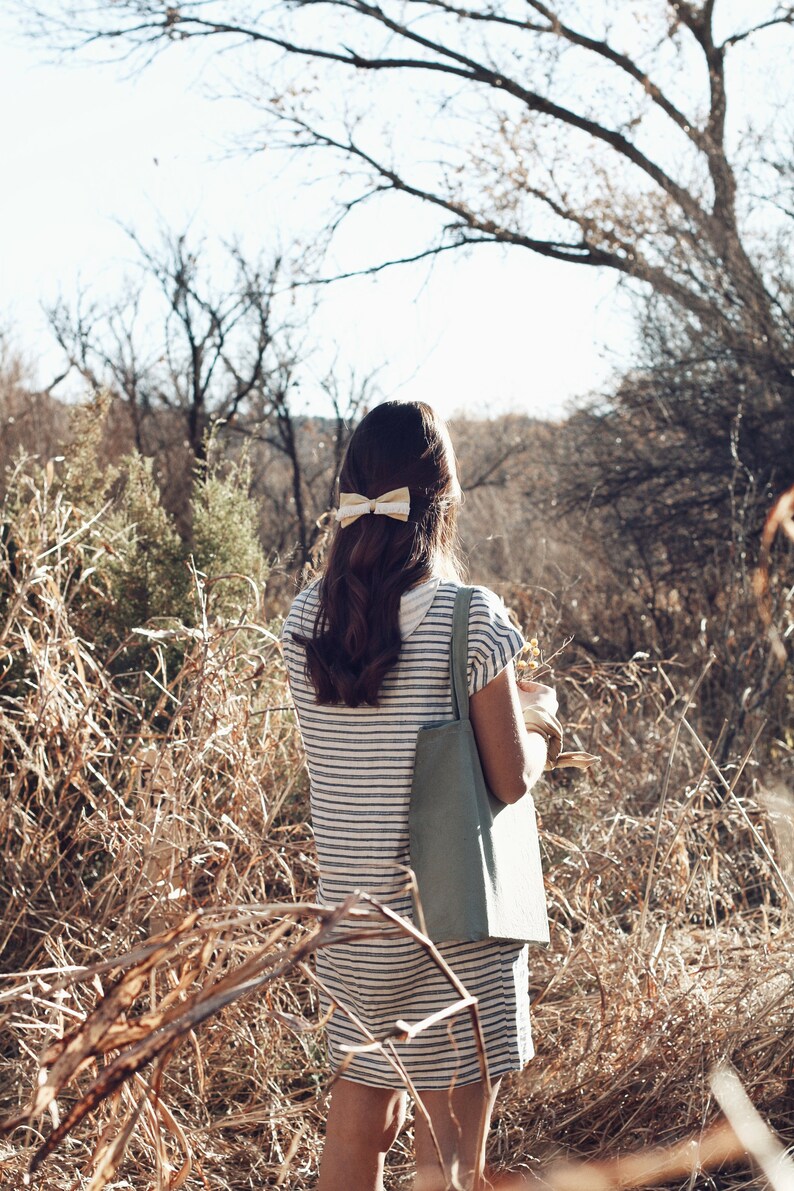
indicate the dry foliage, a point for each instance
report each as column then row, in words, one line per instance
column 157, row 922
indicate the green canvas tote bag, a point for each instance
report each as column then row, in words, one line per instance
column 476, row 859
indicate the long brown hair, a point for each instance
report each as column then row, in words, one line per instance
column 374, row 559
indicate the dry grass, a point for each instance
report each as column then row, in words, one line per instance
column 156, row 917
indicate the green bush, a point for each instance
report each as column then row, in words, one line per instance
column 146, row 562
column 139, row 570
column 226, row 547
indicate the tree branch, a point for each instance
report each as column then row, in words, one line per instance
column 604, row 50
column 786, row 18
column 632, row 264
column 448, row 61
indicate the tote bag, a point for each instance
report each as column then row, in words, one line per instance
column 476, row 859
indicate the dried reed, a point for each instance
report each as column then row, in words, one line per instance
column 158, row 1002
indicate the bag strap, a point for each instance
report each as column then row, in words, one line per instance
column 459, row 654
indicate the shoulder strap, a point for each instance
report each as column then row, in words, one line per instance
column 459, row 654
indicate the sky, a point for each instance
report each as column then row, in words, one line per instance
column 89, row 149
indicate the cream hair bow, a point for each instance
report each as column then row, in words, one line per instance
column 395, row 504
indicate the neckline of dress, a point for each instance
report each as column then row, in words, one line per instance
column 418, row 586
column 415, row 604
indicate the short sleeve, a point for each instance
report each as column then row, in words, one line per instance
column 288, row 646
column 299, row 619
column 493, row 638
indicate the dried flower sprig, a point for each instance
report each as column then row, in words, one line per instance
column 528, row 657
column 532, row 665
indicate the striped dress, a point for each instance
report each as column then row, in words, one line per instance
column 360, row 762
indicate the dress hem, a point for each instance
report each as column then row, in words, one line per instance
column 458, row 1083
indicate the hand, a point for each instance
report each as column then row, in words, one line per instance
column 537, row 694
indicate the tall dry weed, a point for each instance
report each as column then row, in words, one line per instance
column 157, row 927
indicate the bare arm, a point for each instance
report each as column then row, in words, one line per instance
column 512, row 758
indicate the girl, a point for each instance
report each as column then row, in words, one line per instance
column 367, row 653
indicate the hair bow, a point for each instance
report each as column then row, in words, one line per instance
column 395, row 504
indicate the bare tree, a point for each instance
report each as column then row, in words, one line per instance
column 200, row 358
column 586, row 138
column 213, row 352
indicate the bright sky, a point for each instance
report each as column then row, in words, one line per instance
column 85, row 148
